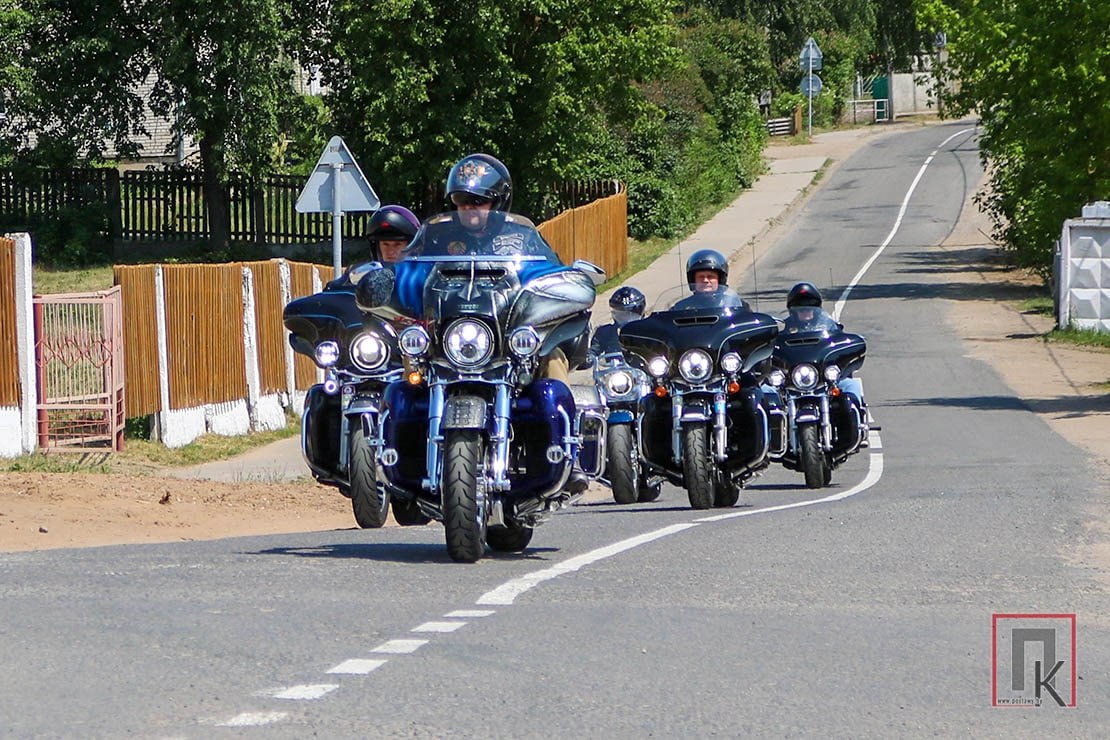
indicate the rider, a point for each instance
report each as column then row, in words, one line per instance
column 626, row 304
column 806, row 314
column 389, row 231
column 707, row 276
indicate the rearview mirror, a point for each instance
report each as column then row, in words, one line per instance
column 597, row 275
column 374, row 288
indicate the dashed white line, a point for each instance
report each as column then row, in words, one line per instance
column 438, row 627
column 400, row 647
column 469, row 613
column 254, row 719
column 306, row 692
column 358, row 666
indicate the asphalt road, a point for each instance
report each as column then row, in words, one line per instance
column 864, row 609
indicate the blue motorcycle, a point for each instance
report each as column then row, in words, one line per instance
column 622, row 388
column 473, row 435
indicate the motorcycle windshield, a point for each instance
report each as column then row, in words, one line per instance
column 810, row 320
column 812, row 336
column 682, row 298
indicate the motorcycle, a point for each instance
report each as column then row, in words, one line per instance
column 473, row 436
column 708, row 424
column 339, row 424
column 825, row 425
column 622, row 388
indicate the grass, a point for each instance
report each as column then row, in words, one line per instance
column 49, row 280
column 1043, row 306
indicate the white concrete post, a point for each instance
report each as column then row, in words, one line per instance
column 285, row 281
column 25, row 341
column 163, row 354
column 250, row 349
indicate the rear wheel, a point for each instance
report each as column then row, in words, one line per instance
column 695, row 466
column 408, row 513
column 726, row 493
column 512, row 537
column 464, row 511
column 369, row 499
column 811, row 456
column 646, row 492
column 622, row 473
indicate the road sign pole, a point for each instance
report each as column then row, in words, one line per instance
column 809, row 94
column 336, row 220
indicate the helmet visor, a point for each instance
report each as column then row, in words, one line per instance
column 622, row 317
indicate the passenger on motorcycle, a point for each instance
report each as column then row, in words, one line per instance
column 806, row 315
column 389, row 231
column 626, row 304
column 707, row 277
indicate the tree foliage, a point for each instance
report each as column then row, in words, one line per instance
column 1037, row 72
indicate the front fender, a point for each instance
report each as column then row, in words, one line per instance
column 696, row 410
column 465, row 412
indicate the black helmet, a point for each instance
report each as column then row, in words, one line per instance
column 483, row 176
column 707, row 259
column 803, row 294
column 627, row 304
column 391, row 222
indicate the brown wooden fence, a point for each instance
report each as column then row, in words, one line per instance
column 597, row 232
column 9, row 351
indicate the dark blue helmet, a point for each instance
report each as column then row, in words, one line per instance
column 627, row 304
column 482, row 176
column 707, row 259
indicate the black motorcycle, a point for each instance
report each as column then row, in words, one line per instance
column 473, row 436
column 622, row 389
column 825, row 423
column 707, row 424
column 339, row 426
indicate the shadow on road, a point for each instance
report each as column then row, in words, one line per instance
column 393, row 552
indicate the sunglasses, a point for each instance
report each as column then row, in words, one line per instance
column 466, row 199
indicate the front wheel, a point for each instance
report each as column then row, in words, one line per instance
column 695, row 466
column 369, row 499
column 622, row 473
column 812, row 456
column 464, row 510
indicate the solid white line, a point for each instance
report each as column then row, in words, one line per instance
column 897, row 223
column 306, row 692
column 254, row 719
column 469, row 613
column 400, row 647
column 438, row 627
column 507, row 592
column 360, row 666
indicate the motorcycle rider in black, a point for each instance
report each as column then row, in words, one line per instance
column 707, row 276
column 626, row 304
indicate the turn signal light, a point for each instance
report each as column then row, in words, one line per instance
column 733, row 386
column 660, row 391
column 415, row 378
column 834, row 392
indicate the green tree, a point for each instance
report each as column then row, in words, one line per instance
column 1037, row 73
column 415, row 84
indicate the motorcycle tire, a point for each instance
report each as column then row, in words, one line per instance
column 726, row 494
column 647, row 493
column 464, row 513
column 812, row 457
column 408, row 513
column 510, row 538
column 622, row 474
column 369, row 498
column 696, row 470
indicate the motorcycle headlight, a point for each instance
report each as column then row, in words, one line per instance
column 368, row 352
column 695, row 365
column 804, row 376
column 524, row 342
column 468, row 343
column 832, row 373
column 776, row 378
column 730, row 363
column 414, row 341
column 618, row 383
column 327, row 353
column 659, row 367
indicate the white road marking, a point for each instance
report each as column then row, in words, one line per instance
column 306, row 692
column 360, row 666
column 400, row 647
column 438, row 627
column 469, row 613
column 254, row 719
column 897, row 223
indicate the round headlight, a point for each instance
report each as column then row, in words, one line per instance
column 776, row 378
column 414, row 341
column 618, row 383
column 468, row 343
column 730, row 363
column 832, row 373
column 524, row 342
column 368, row 352
column 804, row 376
column 327, row 353
column 659, row 367
column 695, row 365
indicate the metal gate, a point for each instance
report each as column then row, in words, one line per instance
column 79, row 370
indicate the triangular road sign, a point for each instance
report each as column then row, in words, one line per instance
column 811, row 55
column 355, row 193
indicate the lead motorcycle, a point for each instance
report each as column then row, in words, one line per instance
column 825, row 425
column 473, row 436
column 339, row 424
column 708, row 424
